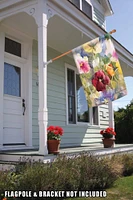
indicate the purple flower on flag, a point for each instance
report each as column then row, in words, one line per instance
column 114, row 54
column 100, row 80
column 103, row 45
column 84, row 66
column 108, row 94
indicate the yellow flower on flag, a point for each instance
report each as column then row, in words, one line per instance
column 92, row 47
column 119, row 67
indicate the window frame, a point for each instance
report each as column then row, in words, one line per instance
column 72, row 96
column 89, row 123
column 17, row 41
column 81, row 7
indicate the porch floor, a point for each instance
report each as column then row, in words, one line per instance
column 15, row 155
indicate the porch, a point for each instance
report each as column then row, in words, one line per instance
column 64, row 33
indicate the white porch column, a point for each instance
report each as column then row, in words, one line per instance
column 42, row 72
column 2, row 43
column 111, row 114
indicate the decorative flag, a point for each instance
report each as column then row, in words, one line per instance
column 100, row 71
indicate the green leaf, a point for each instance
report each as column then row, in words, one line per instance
column 106, row 60
column 107, row 36
column 113, row 84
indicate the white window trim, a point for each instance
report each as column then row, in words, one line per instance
column 68, row 66
column 81, row 2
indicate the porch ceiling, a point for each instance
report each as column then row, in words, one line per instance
column 62, row 36
column 23, row 23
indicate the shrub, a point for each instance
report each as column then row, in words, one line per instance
column 58, row 175
column 81, row 172
column 115, row 164
column 7, row 181
column 84, row 172
column 121, row 165
column 127, row 161
column 94, row 173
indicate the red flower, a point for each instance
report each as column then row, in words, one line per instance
column 100, row 80
column 54, row 132
column 108, row 131
column 50, row 128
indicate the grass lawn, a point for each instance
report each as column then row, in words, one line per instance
column 121, row 190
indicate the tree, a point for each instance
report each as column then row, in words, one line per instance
column 124, row 124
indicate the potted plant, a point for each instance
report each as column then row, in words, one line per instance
column 108, row 137
column 54, row 134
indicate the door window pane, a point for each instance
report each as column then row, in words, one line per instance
column 82, row 106
column 12, row 80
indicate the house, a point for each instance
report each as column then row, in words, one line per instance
column 34, row 95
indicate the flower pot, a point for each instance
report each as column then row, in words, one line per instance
column 53, row 146
column 108, row 142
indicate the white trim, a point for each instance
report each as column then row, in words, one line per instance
column 111, row 114
column 21, row 6
column 98, row 115
column 15, row 58
column 80, row 4
column 28, row 122
column 2, row 44
column 66, row 88
column 68, row 66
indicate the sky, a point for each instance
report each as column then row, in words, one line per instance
column 122, row 21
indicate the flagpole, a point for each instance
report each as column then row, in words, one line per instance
column 53, row 59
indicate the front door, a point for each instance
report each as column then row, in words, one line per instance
column 13, row 104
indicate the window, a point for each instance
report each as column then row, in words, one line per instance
column 12, row 47
column 84, row 6
column 12, row 80
column 71, row 96
column 87, row 8
column 82, row 106
column 95, row 115
column 76, row 3
column 78, row 110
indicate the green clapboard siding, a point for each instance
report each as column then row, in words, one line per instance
column 98, row 17
column 74, row 135
column 35, row 128
column 104, row 116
